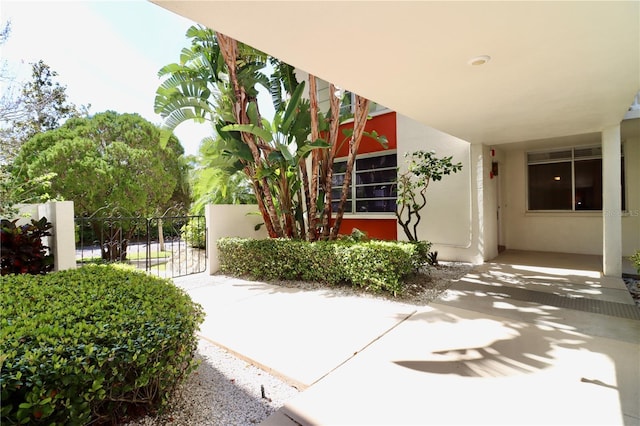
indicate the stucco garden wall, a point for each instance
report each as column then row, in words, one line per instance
column 62, row 240
column 230, row 220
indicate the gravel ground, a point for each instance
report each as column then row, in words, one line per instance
column 633, row 284
column 226, row 390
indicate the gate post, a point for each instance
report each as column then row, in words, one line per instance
column 63, row 240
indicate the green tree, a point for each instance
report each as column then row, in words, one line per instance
column 217, row 80
column 423, row 168
column 217, row 179
column 108, row 162
column 41, row 105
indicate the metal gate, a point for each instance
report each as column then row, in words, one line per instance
column 169, row 246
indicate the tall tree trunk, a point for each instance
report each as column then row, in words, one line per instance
column 304, row 200
column 229, row 51
column 257, row 190
column 160, row 236
column 359, row 122
column 312, row 198
column 286, row 206
column 327, row 165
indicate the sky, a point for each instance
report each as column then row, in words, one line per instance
column 106, row 53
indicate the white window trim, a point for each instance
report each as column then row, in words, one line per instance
column 565, row 212
column 366, row 215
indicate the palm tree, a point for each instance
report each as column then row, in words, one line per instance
column 216, row 81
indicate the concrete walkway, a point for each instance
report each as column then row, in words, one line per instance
column 484, row 354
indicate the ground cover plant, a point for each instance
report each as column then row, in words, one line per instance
column 373, row 265
column 636, row 260
column 93, row 345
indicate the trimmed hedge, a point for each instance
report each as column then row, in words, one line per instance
column 95, row 344
column 636, row 260
column 374, row 265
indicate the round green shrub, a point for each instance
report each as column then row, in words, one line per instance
column 92, row 345
column 194, row 233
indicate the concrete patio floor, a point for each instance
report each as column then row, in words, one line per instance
column 483, row 354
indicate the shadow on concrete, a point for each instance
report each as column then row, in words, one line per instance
column 512, row 336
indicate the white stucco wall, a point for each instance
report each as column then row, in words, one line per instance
column 230, row 220
column 455, row 219
column 568, row 232
column 26, row 212
column 62, row 241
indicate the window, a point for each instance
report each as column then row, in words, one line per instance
column 567, row 179
column 375, row 184
column 349, row 100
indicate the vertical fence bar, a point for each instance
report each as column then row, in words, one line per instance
column 183, row 238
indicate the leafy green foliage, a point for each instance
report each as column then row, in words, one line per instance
column 423, row 168
column 432, row 258
column 374, row 265
column 21, row 247
column 108, row 159
column 194, row 233
column 356, row 236
column 17, row 190
column 92, row 345
column 217, row 177
column 208, row 84
column 636, row 260
column 42, row 105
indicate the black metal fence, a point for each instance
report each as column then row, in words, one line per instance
column 165, row 246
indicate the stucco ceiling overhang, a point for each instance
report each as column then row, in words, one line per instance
column 556, row 68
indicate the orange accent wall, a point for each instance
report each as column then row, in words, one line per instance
column 384, row 124
column 381, row 229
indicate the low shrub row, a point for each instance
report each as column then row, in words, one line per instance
column 636, row 260
column 374, row 265
column 92, row 345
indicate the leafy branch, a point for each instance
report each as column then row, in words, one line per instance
column 423, row 168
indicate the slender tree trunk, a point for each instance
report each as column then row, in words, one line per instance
column 312, row 198
column 229, row 50
column 259, row 199
column 327, row 172
column 359, row 122
column 304, row 200
column 160, row 236
column 286, row 206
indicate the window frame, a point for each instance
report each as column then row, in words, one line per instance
column 353, row 211
column 572, row 160
column 349, row 108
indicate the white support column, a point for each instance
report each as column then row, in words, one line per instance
column 611, row 203
column 484, row 206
